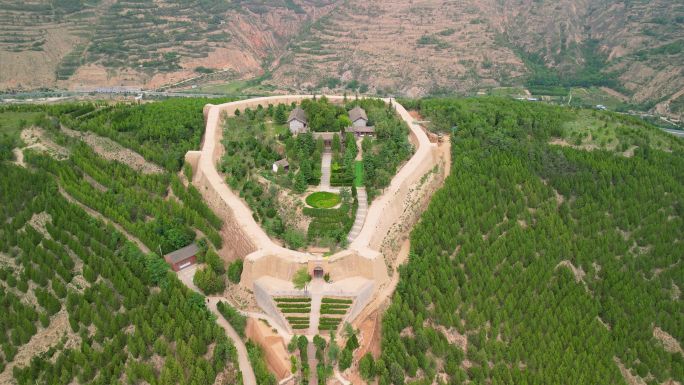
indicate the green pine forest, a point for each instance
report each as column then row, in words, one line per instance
column 492, row 258
column 550, row 256
column 119, row 314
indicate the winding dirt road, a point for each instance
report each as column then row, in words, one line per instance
column 248, row 377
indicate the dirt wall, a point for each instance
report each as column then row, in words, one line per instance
column 273, row 347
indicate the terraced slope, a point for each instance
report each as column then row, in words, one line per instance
column 437, row 45
column 141, row 42
column 633, row 48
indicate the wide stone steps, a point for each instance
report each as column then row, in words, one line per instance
column 361, row 212
column 326, row 160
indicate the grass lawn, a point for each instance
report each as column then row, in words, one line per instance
column 593, row 96
column 323, row 200
column 233, row 87
column 12, row 122
column 507, row 91
column 611, row 132
column 358, row 173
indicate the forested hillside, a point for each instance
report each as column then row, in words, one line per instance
column 542, row 263
column 117, row 315
column 88, row 299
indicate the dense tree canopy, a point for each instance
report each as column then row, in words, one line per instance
column 556, row 264
column 123, row 307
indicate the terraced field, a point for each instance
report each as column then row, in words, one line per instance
column 385, row 43
column 141, row 42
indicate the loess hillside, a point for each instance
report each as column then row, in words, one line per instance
column 633, row 49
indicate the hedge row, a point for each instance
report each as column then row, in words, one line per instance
column 298, row 299
column 333, row 311
column 327, row 327
column 291, row 305
column 327, row 320
column 297, row 319
column 334, row 306
column 300, row 326
column 300, row 311
column 337, row 300
column 338, row 213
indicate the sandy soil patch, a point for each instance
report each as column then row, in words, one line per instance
column 577, row 272
column 630, row 378
column 628, row 153
column 37, row 139
column 19, row 157
column 676, row 292
column 38, row 222
column 614, row 94
column 669, row 343
column 112, row 150
column 41, row 342
column 602, row 322
column 452, row 335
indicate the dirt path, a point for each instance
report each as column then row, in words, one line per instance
column 19, row 155
column 97, row 215
column 615, row 94
column 313, row 373
column 248, row 378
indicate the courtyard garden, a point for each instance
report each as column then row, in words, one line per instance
column 286, row 202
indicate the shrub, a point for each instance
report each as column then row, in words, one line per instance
column 208, row 281
column 237, row 320
column 235, row 271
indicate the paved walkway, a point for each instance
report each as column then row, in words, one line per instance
column 326, row 160
column 316, row 290
column 360, row 213
column 313, row 373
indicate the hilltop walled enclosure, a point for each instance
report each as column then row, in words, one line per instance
column 359, row 271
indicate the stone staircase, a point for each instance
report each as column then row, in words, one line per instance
column 360, row 213
column 326, row 160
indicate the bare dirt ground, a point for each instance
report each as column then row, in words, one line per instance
column 630, row 378
column 111, row 150
column 19, row 157
column 577, row 272
column 37, row 139
column 669, row 343
column 41, row 342
column 38, row 222
column 615, row 94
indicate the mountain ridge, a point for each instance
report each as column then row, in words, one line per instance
column 418, row 48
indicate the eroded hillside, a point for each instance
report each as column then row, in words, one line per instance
column 141, row 43
column 632, row 49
